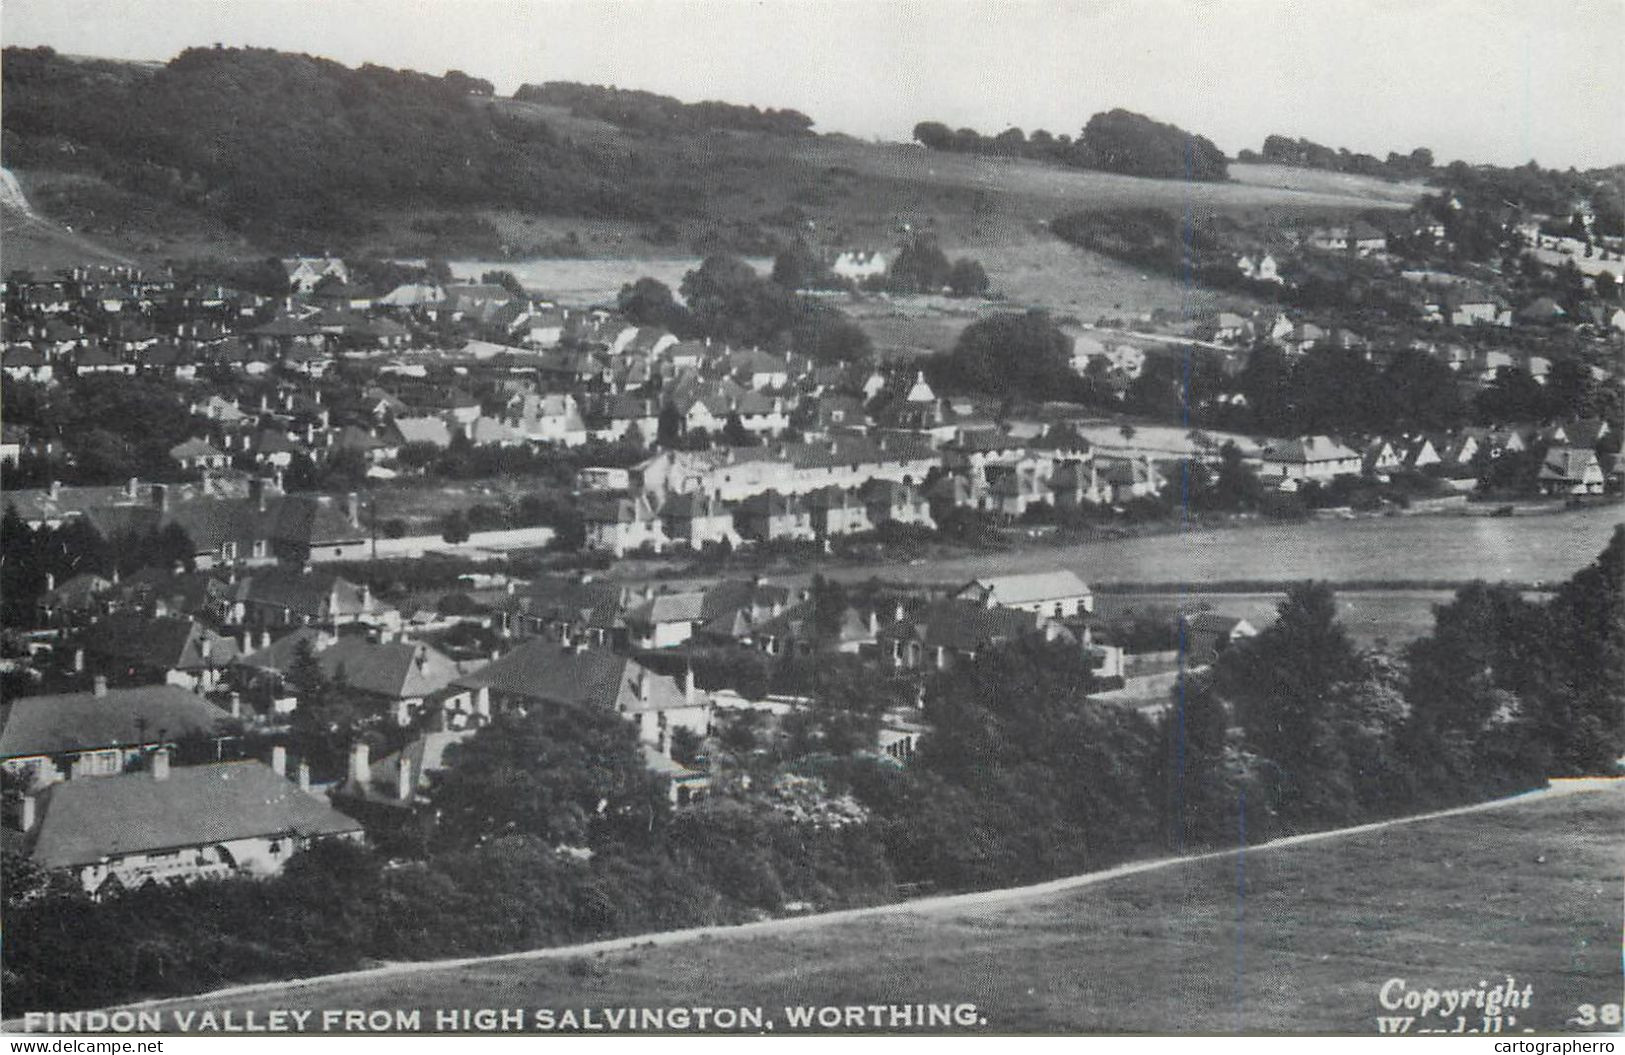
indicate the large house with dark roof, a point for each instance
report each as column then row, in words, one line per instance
column 166, row 825
column 542, row 675
column 98, row 733
column 956, row 630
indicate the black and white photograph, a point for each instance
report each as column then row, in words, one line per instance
column 844, row 518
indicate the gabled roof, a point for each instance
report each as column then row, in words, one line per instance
column 83, row 721
column 398, row 670
column 1032, row 588
column 167, row 642
column 686, row 607
column 85, row 821
column 424, row 756
column 964, row 625
column 1307, row 449
column 542, row 671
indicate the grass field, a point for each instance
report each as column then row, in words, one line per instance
column 1293, row 939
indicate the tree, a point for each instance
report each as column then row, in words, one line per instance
column 455, row 528
column 967, row 279
column 1281, row 681
column 934, row 135
column 649, row 302
column 1009, row 355
column 1236, row 488
column 669, row 426
column 575, row 777
column 921, row 267
column 830, row 604
column 734, row 433
column 508, row 281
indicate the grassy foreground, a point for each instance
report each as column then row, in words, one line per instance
column 1295, row 939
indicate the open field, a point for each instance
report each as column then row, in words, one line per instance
column 1527, row 549
column 1295, row 938
column 1369, row 616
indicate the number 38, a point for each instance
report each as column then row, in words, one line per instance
column 1591, row 1015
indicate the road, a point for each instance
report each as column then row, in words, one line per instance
column 945, row 904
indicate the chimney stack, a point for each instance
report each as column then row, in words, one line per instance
column 99, row 686
column 279, row 760
column 56, row 489
column 403, row 778
column 30, row 813
column 690, row 692
column 133, row 487
column 50, row 581
column 352, row 506
column 304, row 776
column 237, row 704
column 360, row 764
column 160, row 764
column 160, row 497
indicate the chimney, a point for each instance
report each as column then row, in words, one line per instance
column 132, row 489
column 50, row 581
column 403, row 778
column 279, row 760
column 304, row 776
column 99, row 686
column 352, row 508
column 256, row 492
column 160, row 497
column 690, row 693
column 160, row 764
column 30, row 813
column 643, row 686
column 78, row 661
column 56, row 488
column 874, row 623
column 237, row 704
column 360, row 764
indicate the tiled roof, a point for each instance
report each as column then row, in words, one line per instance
column 543, row 671
column 1032, row 588
column 81, row 721
column 84, row 821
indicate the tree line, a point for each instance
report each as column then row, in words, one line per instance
column 1115, row 141
column 662, row 114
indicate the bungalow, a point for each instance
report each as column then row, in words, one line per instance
column 176, row 650
column 177, row 825
column 396, row 676
column 952, row 631
column 431, row 431
column 1571, row 471
column 1206, row 634
column 1308, row 458
column 1366, row 239
column 1058, row 594
column 543, row 676
column 304, row 272
column 858, row 264
column 393, row 788
column 22, row 362
column 99, row 733
column 287, row 597
column 195, row 455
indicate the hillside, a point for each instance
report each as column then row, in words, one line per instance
column 1296, row 938
column 242, row 152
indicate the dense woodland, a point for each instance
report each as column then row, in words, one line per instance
column 1020, row 779
column 662, row 114
column 1116, row 141
column 292, row 148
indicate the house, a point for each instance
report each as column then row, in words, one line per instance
column 1542, row 311
column 1308, row 458
column 1205, row 634
column 664, row 620
column 795, row 631
column 771, row 515
column 857, row 264
column 734, row 608
column 180, row 824
column 304, row 272
column 68, row 736
column 892, row 502
column 548, row 419
column 1571, row 471
column 21, row 362
column 1057, row 594
column 836, row 511
column 696, row 519
column 289, row 597
column 1122, row 479
column 195, row 455
column 388, row 791
column 955, row 630
column 176, row 650
column 75, row 600
column 620, row 525
column 568, row 610
column 540, row 675
column 431, row 431
column 1365, row 239
column 398, row 677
